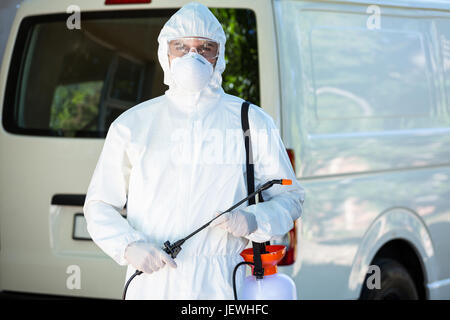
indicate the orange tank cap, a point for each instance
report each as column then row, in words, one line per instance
column 269, row 260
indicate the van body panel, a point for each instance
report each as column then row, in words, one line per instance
column 365, row 109
column 347, row 219
column 415, row 115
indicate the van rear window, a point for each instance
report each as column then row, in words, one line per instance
column 75, row 82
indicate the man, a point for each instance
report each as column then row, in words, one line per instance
column 172, row 161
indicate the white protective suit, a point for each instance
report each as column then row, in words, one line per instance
column 175, row 161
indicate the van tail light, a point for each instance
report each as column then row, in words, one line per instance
column 126, row 1
column 291, row 155
column 291, row 251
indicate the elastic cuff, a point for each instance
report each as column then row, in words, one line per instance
column 258, row 237
column 128, row 239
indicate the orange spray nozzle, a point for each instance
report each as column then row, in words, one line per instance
column 286, row 182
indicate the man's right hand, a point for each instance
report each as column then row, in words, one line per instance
column 146, row 257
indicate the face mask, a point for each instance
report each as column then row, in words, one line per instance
column 191, row 72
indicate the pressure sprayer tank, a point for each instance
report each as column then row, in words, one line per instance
column 274, row 285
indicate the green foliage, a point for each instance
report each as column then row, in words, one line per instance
column 241, row 76
column 75, row 106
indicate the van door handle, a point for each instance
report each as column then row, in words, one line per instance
column 68, row 199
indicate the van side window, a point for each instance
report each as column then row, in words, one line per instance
column 74, row 83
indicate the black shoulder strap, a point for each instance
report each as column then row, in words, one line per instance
column 258, row 248
column 248, row 152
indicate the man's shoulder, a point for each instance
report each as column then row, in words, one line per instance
column 142, row 110
column 255, row 111
column 258, row 118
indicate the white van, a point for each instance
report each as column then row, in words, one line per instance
column 360, row 91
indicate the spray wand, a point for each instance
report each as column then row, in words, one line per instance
column 174, row 249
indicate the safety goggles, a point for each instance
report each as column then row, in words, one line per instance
column 208, row 48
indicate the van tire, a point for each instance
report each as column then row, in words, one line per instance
column 395, row 284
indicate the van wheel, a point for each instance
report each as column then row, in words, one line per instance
column 395, row 283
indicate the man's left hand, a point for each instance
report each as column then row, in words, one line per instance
column 239, row 223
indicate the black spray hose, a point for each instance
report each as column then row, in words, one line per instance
column 175, row 248
column 234, row 276
column 128, row 283
column 137, row 273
